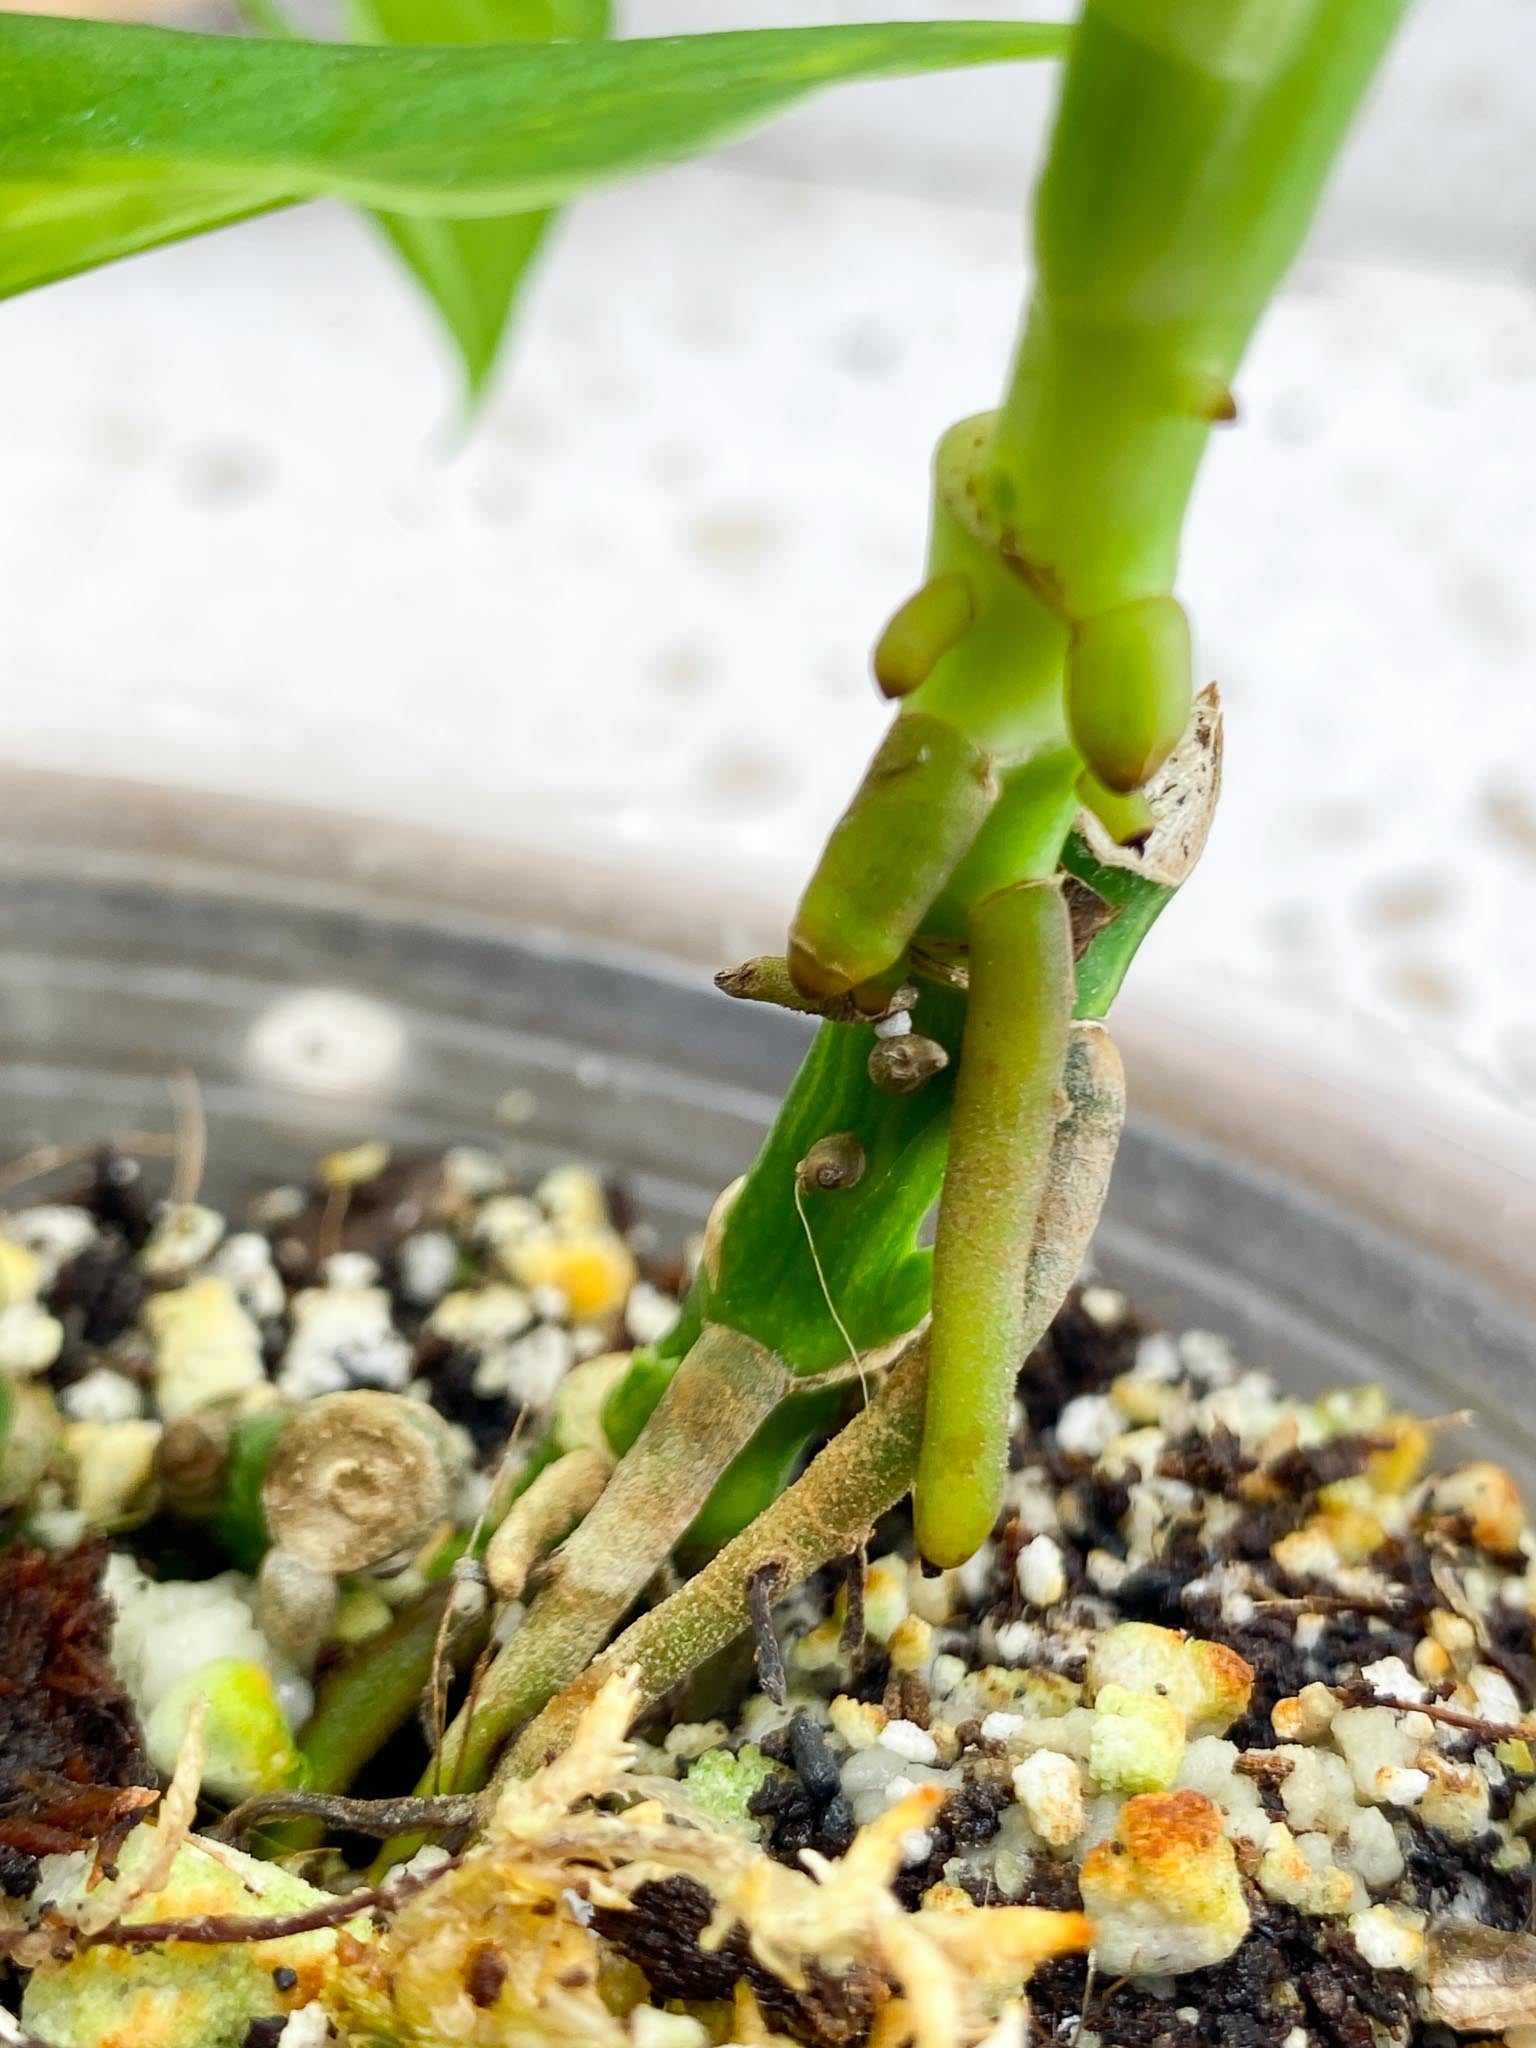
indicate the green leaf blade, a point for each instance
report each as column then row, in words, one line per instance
column 101, row 123
column 473, row 270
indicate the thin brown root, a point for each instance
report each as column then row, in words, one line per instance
column 219, row 1929
column 380, row 1818
column 1082, row 2018
column 45, row 1159
column 191, row 1155
column 1453, row 1717
column 1336, row 1603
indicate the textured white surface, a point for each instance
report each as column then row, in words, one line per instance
column 246, row 550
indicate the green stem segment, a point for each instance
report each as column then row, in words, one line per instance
column 1190, row 150
column 371, row 1696
column 1005, row 1110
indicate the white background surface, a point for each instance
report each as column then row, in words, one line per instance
column 247, row 548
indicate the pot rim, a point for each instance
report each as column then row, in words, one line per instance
column 1356, row 1116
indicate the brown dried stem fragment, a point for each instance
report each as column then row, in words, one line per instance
column 1339, row 1603
column 1453, row 1717
column 1481, row 1979
column 763, row 1585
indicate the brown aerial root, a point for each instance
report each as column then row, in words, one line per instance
column 722, row 1392
column 549, row 1508
column 766, row 980
column 868, row 1466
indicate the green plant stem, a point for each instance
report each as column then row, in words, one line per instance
column 866, row 1236
column 1188, row 156
column 367, row 1699
column 1189, row 153
column 1000, row 1134
column 868, row 1466
column 1000, row 684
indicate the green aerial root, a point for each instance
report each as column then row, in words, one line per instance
column 870, row 1464
column 1129, row 689
column 1005, row 1109
column 923, row 799
column 922, row 631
